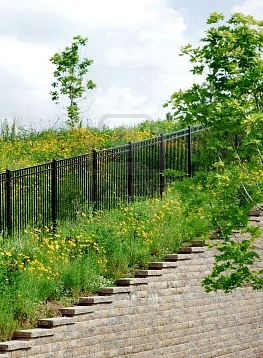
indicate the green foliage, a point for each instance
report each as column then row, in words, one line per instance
column 233, row 267
column 20, row 148
column 173, row 174
column 229, row 103
column 71, row 81
column 8, row 131
column 159, row 126
column 234, row 191
column 230, row 100
column 220, row 200
column 41, row 268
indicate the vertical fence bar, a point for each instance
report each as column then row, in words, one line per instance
column 189, row 153
column 161, row 139
column 130, row 172
column 8, row 207
column 26, row 194
column 54, row 193
column 94, row 176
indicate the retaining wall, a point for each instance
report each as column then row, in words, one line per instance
column 162, row 311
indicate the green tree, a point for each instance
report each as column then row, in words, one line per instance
column 71, row 78
column 229, row 101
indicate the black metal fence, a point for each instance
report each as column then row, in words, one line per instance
column 60, row 190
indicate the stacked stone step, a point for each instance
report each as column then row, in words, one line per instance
column 161, row 311
column 26, row 342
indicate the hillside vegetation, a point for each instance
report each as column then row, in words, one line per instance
column 39, row 272
column 20, row 149
column 42, row 269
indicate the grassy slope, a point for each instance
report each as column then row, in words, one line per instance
column 27, row 149
column 37, row 270
column 40, row 272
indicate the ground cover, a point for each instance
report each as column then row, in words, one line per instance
column 20, row 148
column 40, row 271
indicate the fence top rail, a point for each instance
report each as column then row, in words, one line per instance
column 73, row 160
column 35, row 169
column 104, row 152
column 179, row 133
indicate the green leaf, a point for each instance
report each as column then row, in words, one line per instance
column 71, row 81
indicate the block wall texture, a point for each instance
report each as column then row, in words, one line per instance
column 162, row 311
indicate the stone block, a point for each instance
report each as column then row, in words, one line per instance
column 131, row 281
column 14, row 345
column 55, row 322
column 191, row 250
column 162, row 265
column 33, row 333
column 163, row 311
column 113, row 290
column 76, row 310
column 148, row 273
column 180, row 256
column 94, row 300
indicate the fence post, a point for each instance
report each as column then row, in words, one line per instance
column 130, row 172
column 8, row 205
column 54, row 193
column 94, row 176
column 161, row 139
column 189, row 153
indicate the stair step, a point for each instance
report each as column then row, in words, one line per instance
column 147, row 273
column 14, row 345
column 113, row 290
column 191, row 250
column 178, row 257
column 94, row 300
column 33, row 333
column 131, row 281
column 76, row 310
column 55, row 322
column 162, row 265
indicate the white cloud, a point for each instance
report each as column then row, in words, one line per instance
column 110, row 104
column 117, row 12
column 134, row 44
column 146, row 61
column 25, row 60
column 120, row 99
column 251, row 7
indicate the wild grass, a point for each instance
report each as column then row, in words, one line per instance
column 20, row 148
column 40, row 271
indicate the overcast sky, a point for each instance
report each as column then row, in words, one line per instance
column 135, row 45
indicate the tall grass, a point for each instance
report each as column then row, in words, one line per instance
column 20, row 148
column 38, row 270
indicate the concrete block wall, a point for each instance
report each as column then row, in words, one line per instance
column 162, row 311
